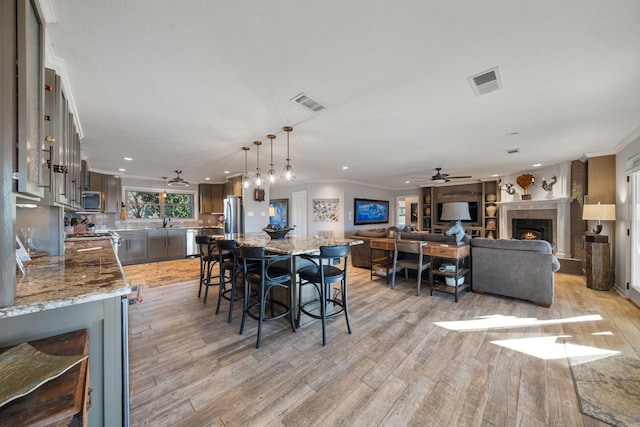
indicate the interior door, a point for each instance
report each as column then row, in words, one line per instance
column 299, row 212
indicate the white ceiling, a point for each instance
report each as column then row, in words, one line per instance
column 185, row 84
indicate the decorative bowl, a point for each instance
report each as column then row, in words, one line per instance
column 279, row 233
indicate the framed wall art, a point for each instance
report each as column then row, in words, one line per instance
column 370, row 211
column 325, row 210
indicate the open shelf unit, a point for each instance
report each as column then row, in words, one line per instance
column 485, row 194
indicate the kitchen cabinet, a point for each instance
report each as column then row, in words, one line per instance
column 166, row 244
column 30, row 79
column 111, row 188
column 211, row 196
column 112, row 194
column 133, row 247
column 61, row 152
column 234, row 186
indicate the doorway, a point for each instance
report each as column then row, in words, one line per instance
column 407, row 211
column 299, row 212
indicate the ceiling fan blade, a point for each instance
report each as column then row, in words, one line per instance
column 459, row 177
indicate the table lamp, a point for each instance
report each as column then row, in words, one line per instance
column 599, row 212
column 455, row 212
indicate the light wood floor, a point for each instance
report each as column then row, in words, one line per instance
column 190, row 367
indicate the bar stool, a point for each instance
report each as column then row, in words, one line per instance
column 230, row 265
column 208, row 258
column 266, row 276
column 331, row 268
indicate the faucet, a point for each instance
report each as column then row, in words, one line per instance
column 165, row 221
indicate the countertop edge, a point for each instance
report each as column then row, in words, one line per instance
column 19, row 310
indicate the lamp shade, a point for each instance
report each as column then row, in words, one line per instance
column 455, row 211
column 599, row 212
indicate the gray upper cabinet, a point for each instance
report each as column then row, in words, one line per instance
column 211, row 196
column 32, row 179
column 113, row 194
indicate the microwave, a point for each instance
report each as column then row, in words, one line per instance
column 91, row 201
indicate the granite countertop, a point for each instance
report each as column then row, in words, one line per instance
column 88, row 271
column 186, row 227
column 291, row 244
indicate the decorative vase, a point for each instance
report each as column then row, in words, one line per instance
column 491, row 210
column 427, row 211
column 427, row 199
column 491, row 198
column 491, row 235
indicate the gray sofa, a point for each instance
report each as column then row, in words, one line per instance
column 514, row 268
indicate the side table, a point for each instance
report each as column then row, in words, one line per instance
column 382, row 266
column 597, row 266
column 460, row 256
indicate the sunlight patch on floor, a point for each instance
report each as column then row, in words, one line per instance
column 499, row 321
column 548, row 348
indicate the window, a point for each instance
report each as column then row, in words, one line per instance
column 153, row 205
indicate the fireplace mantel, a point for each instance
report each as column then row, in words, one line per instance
column 562, row 219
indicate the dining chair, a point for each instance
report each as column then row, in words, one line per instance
column 208, row 258
column 261, row 271
column 330, row 267
column 407, row 255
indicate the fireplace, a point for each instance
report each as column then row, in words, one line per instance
column 532, row 229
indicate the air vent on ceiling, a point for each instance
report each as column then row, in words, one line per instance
column 512, row 151
column 308, row 102
column 486, row 82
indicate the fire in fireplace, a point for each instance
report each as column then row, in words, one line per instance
column 532, row 229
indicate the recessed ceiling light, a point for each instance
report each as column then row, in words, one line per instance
column 227, row 171
column 495, row 175
column 128, row 158
column 345, row 168
column 407, row 182
column 207, row 179
column 537, row 165
column 122, row 170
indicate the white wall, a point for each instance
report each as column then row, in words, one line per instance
column 345, row 192
column 623, row 242
column 256, row 214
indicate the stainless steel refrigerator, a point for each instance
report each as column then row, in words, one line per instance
column 233, row 222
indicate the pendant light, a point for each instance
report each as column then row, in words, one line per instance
column 164, row 178
column 271, row 176
column 257, row 179
column 245, row 174
column 287, row 172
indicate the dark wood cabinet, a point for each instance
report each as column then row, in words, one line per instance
column 211, row 196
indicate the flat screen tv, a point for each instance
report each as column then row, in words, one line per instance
column 473, row 213
column 370, row 211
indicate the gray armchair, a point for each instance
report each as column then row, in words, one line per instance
column 413, row 260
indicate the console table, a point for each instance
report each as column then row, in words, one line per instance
column 440, row 253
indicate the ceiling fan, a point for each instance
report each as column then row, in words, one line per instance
column 178, row 181
column 440, row 177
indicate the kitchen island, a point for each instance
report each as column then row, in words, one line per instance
column 83, row 289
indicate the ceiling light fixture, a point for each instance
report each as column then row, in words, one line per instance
column 128, row 158
column 164, row 178
column 287, row 172
column 245, row 174
column 272, row 172
column 258, row 178
column 178, row 181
